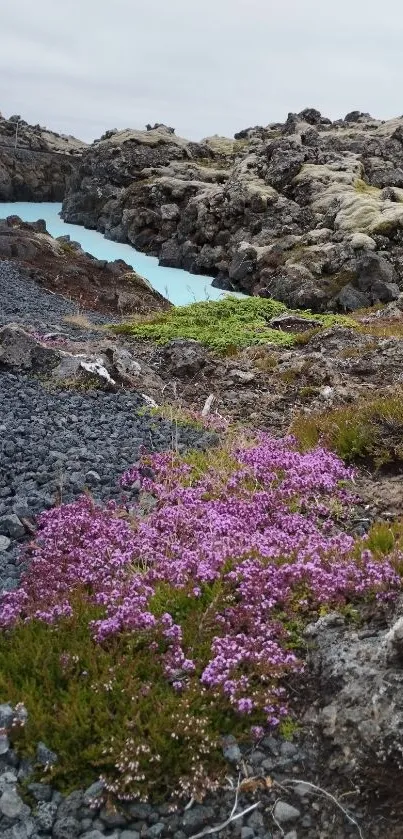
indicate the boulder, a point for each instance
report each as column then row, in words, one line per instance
column 183, row 357
column 360, row 682
column 377, row 278
column 21, row 351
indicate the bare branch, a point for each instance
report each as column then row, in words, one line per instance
column 232, row 818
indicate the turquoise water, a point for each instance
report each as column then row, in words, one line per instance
column 178, row 286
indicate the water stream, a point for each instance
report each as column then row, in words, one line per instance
column 178, row 286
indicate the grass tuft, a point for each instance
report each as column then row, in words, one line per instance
column 370, row 430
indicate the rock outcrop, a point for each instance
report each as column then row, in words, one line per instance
column 61, row 265
column 35, row 164
column 309, row 211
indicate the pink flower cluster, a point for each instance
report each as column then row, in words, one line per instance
column 260, row 538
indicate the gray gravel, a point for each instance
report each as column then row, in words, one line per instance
column 54, row 444
column 23, row 301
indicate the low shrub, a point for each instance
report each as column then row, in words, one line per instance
column 223, row 324
column 370, row 430
column 136, row 643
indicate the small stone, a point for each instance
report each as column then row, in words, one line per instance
column 4, row 744
column 12, row 806
column 284, row 812
column 23, row 830
column 257, row 758
column 7, row 780
column 45, row 756
column 45, row 815
column 93, row 792
column 112, row 818
column 129, row 834
column 196, row 818
column 230, row 749
column 5, row 543
column 291, row 835
column 93, row 834
column 247, row 833
column 302, row 790
column 140, row 810
column 256, row 821
column 25, row 770
column 242, row 376
column 66, row 828
column 41, row 792
column 92, row 477
column 10, row 525
column 69, row 806
column 288, row 749
column 155, row 831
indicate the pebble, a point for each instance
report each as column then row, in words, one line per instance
column 284, row 812
column 10, row 525
column 66, row 828
column 5, row 543
column 12, row 806
column 6, row 715
column 44, row 756
column 4, row 744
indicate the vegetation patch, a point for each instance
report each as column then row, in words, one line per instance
column 224, row 324
column 371, row 430
column 136, row 643
column 366, row 189
column 179, row 415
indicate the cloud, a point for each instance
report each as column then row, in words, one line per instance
column 82, row 66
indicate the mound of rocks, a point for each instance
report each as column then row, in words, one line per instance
column 309, row 211
column 35, row 163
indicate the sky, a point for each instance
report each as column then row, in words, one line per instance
column 214, row 67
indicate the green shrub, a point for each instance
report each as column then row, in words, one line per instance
column 370, row 430
column 99, row 705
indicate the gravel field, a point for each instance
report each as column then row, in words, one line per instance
column 54, row 444
column 23, row 301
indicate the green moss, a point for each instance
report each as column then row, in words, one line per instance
column 365, row 188
column 308, row 391
column 67, row 248
column 222, row 325
column 288, row 728
column 386, row 227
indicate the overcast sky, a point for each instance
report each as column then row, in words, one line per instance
column 207, row 67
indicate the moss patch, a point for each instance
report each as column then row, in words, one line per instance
column 223, row 325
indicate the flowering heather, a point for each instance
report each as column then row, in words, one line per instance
column 233, row 551
column 264, row 532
